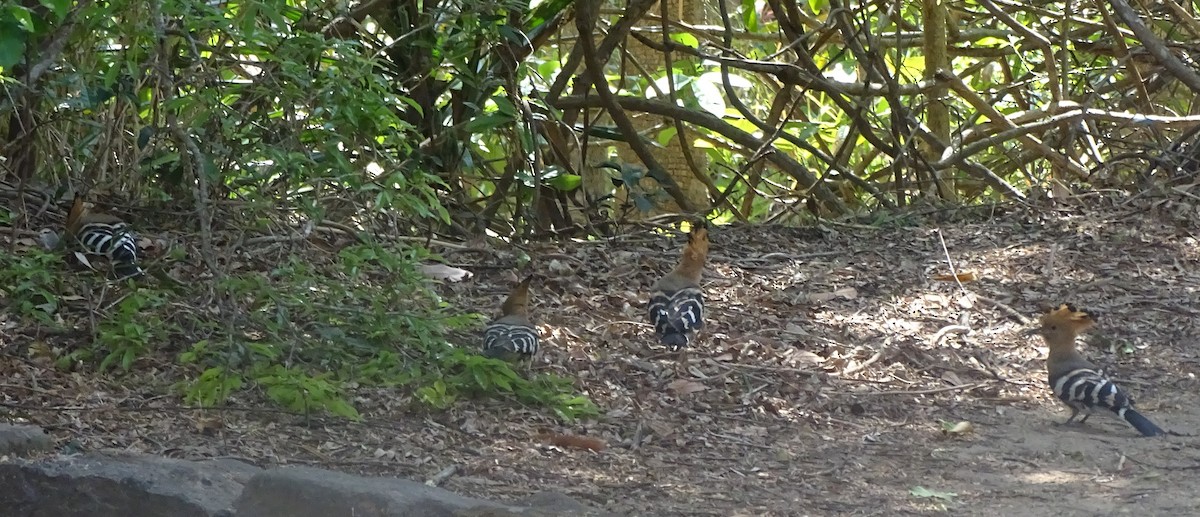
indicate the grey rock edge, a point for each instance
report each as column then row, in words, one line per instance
column 124, row 485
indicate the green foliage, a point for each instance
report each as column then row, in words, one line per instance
column 125, row 334
column 308, row 333
column 305, row 336
column 28, row 286
column 128, row 332
column 468, row 373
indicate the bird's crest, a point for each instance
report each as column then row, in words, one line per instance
column 1068, row 317
column 696, row 250
column 517, row 302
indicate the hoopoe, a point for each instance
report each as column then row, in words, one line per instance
column 676, row 306
column 512, row 335
column 104, row 235
column 1076, row 381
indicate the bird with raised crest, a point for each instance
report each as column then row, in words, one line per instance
column 676, row 305
column 104, row 235
column 512, row 335
column 1077, row 382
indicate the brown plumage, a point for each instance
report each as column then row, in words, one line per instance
column 104, row 235
column 676, row 306
column 512, row 335
column 1076, row 381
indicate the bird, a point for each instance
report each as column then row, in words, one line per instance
column 676, row 307
column 105, row 235
column 1077, row 382
column 512, row 335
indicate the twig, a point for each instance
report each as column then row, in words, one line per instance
column 442, row 476
column 948, row 329
column 639, row 434
column 949, row 261
column 863, row 365
column 1005, row 308
column 965, row 387
column 738, row 441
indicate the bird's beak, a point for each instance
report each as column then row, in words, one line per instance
column 1031, row 331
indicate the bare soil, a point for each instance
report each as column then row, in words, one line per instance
column 834, row 363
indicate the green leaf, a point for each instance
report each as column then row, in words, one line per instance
column 750, row 15
column 665, row 136
column 59, row 7
column 544, row 11
column 566, row 182
column 684, row 38
column 486, row 123
column 23, row 18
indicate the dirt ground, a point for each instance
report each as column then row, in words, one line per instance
column 834, row 366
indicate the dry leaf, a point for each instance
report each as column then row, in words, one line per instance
column 684, row 386
column 83, row 260
column 662, row 429
column 793, row 328
column 960, row 428
column 444, row 272
column 966, row 276
column 848, row 293
column 951, row 378
column 806, row 357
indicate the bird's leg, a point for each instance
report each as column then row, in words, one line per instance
column 1074, row 413
column 682, row 360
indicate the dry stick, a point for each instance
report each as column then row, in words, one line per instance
column 947, row 330
column 964, row 387
column 1033, row 37
column 863, row 365
column 706, row 120
column 987, row 109
column 442, row 476
column 681, row 132
column 193, row 156
column 950, row 262
column 585, row 21
column 1003, row 307
column 1157, row 48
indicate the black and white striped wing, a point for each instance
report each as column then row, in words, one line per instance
column 678, row 312
column 1086, row 389
column 501, row 338
column 115, row 241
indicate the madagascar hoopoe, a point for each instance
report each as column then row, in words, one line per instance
column 105, row 235
column 676, row 300
column 512, row 335
column 1076, row 381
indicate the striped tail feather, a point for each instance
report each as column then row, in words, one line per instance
column 1140, row 422
column 1084, row 389
column 677, row 316
column 502, row 339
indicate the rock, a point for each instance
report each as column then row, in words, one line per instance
column 23, row 439
column 99, row 485
column 557, row 504
column 121, row 486
column 308, row 492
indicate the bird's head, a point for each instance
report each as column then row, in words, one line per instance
column 518, row 299
column 1063, row 323
column 697, row 244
